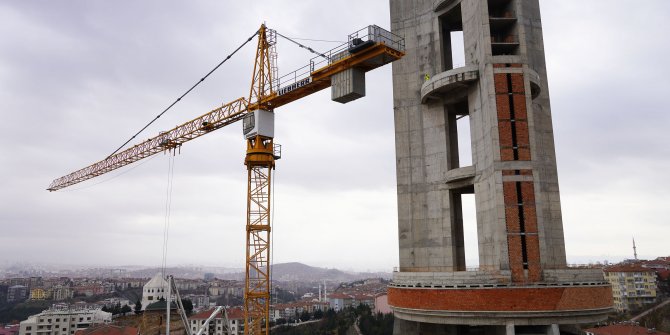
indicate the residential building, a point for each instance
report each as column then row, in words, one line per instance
column 9, row 330
column 340, row 301
column 3, row 293
column 623, row 329
column 658, row 264
column 63, row 321
column 293, row 310
column 38, row 293
column 632, row 286
column 200, row 301
column 17, row 293
column 363, row 299
column 35, row 282
column 382, row 304
column 89, row 289
column 60, row 293
column 217, row 326
column 154, row 290
column 111, row 302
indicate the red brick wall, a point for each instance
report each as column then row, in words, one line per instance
column 520, row 216
column 512, row 122
column 518, row 235
column 502, row 299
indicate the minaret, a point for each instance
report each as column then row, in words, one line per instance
column 523, row 283
column 325, row 292
column 634, row 249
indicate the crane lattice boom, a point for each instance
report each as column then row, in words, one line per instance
column 385, row 48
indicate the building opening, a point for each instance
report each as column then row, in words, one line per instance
column 453, row 54
column 470, row 238
column 464, row 140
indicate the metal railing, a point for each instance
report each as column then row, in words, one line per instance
column 369, row 34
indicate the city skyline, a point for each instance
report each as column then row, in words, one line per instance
column 82, row 79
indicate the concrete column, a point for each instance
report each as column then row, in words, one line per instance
column 509, row 329
column 553, row 330
column 405, row 327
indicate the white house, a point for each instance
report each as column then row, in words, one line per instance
column 154, row 290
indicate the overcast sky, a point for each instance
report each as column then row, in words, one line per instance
column 78, row 78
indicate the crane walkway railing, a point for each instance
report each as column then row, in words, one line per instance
column 358, row 40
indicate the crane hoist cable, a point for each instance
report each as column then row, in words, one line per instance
column 112, row 177
column 185, row 93
column 168, row 207
column 212, row 71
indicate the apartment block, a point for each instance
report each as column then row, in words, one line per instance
column 633, row 286
column 63, row 321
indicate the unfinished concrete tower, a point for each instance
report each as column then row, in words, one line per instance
column 522, row 284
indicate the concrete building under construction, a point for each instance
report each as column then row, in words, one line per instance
column 522, row 283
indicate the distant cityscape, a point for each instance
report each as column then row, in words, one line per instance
column 69, row 302
column 90, row 296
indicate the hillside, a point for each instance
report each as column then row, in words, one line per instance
column 301, row 272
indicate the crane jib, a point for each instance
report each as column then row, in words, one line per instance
column 296, row 85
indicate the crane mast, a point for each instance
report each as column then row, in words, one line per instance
column 260, row 161
column 366, row 49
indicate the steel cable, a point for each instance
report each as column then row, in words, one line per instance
column 183, row 95
column 304, row 46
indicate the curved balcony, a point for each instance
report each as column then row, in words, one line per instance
column 461, row 177
column 450, row 85
column 534, row 79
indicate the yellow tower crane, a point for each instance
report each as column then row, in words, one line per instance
column 343, row 68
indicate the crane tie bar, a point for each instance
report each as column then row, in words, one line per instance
column 304, row 46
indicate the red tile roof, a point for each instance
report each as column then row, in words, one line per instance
column 108, row 330
column 204, row 315
column 233, row 314
column 363, row 297
column 623, row 329
column 627, row 268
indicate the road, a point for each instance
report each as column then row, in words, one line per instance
column 637, row 317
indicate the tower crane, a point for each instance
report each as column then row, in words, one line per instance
column 342, row 68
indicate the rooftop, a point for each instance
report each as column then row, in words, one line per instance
column 623, row 329
column 627, row 268
column 233, row 314
column 108, row 330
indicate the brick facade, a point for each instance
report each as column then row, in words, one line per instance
column 521, row 299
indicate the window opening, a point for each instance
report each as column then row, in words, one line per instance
column 464, row 140
column 470, row 237
column 453, row 49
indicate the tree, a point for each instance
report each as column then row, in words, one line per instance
column 304, row 316
column 125, row 309
column 318, row 314
column 188, row 306
column 138, row 307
